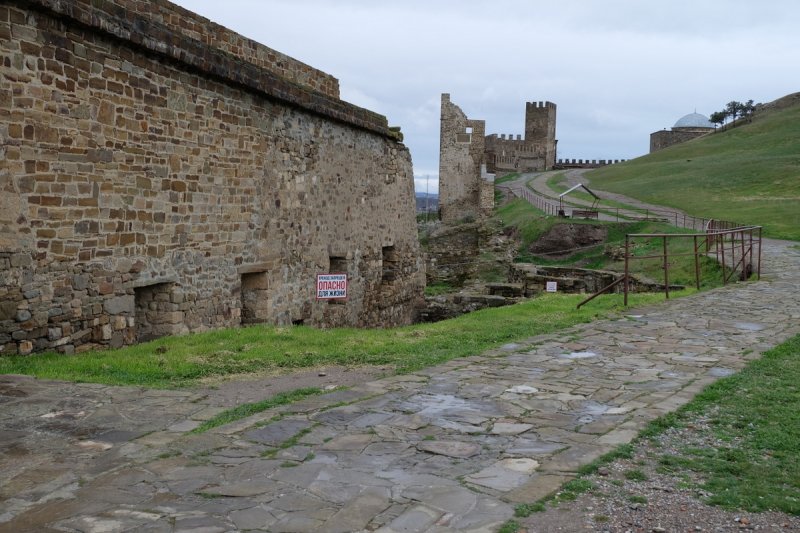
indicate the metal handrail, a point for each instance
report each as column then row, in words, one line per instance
column 745, row 246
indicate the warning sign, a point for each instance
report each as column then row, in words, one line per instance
column 331, row 286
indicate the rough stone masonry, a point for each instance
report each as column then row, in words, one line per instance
column 162, row 174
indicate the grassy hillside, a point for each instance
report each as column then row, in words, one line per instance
column 750, row 174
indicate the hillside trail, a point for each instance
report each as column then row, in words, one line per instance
column 448, row 448
column 538, row 182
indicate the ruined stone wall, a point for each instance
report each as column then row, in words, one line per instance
column 461, row 154
column 153, row 184
column 665, row 138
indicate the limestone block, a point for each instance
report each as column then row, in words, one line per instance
column 119, row 305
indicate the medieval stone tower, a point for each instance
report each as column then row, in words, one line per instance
column 540, row 130
column 533, row 153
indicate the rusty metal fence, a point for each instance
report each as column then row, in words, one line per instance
column 737, row 250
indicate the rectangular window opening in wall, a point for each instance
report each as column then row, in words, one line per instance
column 338, row 265
column 255, row 300
column 390, row 264
column 158, row 313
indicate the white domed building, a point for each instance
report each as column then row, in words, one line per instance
column 686, row 128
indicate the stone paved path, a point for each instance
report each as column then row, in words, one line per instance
column 450, row 448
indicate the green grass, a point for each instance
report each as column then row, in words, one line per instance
column 530, row 224
column 247, row 409
column 747, row 174
column 441, row 287
column 506, row 178
column 512, row 526
column 182, row 361
column 755, row 414
column 635, row 475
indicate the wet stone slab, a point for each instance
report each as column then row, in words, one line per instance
column 277, row 433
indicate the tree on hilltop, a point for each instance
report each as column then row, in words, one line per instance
column 747, row 110
column 718, row 117
column 734, row 109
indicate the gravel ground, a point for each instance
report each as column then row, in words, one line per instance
column 659, row 503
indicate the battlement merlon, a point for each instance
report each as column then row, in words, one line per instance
column 539, row 105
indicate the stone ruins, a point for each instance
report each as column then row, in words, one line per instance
column 162, row 174
column 469, row 159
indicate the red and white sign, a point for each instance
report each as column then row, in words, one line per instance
column 331, row 286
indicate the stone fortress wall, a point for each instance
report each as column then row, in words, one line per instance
column 534, row 152
column 161, row 174
column 666, row 138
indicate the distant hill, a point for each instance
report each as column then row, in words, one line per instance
column 749, row 173
column 427, row 201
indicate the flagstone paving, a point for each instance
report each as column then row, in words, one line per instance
column 453, row 447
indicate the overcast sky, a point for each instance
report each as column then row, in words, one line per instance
column 618, row 70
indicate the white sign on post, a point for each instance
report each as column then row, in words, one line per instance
column 552, row 286
column 331, row 286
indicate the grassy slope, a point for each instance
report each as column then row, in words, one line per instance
column 748, row 174
column 532, row 223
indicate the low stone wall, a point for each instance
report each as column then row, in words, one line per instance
column 534, row 278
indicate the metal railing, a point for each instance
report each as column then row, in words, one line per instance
column 732, row 244
column 734, row 249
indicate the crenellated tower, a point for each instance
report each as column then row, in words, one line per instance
column 540, row 129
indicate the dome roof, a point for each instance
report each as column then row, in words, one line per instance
column 694, row 120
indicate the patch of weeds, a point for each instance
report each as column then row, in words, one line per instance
column 429, row 437
column 327, row 439
column 601, row 518
column 512, row 526
column 208, row 496
column 636, row 498
column 440, row 287
column 289, row 464
column 617, row 482
column 572, row 489
column 309, row 457
column 635, row 475
column 168, row 454
column 248, row 409
column 624, row 451
column 526, row 509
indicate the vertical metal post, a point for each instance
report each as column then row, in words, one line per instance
column 666, row 269
column 722, row 250
column 744, row 257
column 750, row 235
column 627, row 255
column 759, row 252
column 696, row 264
